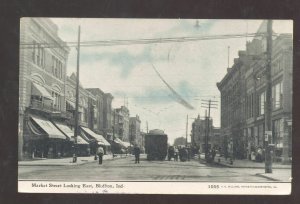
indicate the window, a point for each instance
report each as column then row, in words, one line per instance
column 262, row 100
column 33, row 51
column 57, row 67
column 56, row 101
column 277, row 95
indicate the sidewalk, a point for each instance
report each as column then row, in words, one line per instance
column 244, row 163
column 280, row 173
column 66, row 161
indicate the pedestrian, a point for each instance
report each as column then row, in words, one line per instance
column 176, row 154
column 136, row 152
column 213, row 154
column 100, row 153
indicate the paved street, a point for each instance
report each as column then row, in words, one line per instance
column 125, row 169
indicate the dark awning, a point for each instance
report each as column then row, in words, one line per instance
column 48, row 127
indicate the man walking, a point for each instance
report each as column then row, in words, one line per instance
column 100, row 153
column 136, row 152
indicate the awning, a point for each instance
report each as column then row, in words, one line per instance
column 120, row 142
column 127, row 144
column 100, row 139
column 70, row 133
column 73, row 106
column 49, row 128
column 38, row 90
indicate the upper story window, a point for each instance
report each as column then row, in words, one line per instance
column 57, row 68
column 262, row 101
column 38, row 54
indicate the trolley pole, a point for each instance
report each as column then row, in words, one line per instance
column 77, row 98
column 208, row 104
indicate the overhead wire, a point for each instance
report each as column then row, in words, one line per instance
column 28, row 45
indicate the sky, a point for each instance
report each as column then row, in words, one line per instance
column 192, row 69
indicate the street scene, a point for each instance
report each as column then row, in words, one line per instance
column 124, row 169
column 155, row 100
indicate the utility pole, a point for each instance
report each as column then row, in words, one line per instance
column 147, row 125
column 186, row 132
column 268, row 105
column 114, row 131
column 77, row 100
column 228, row 55
column 208, row 104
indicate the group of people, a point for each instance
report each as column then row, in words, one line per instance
column 136, row 152
column 183, row 153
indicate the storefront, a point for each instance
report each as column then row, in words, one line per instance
column 42, row 139
column 119, row 147
column 98, row 140
column 83, row 146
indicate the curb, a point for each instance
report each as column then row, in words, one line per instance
column 251, row 167
column 68, row 164
column 267, row 177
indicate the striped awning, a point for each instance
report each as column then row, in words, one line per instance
column 70, row 133
column 100, row 139
column 48, row 127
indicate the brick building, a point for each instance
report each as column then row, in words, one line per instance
column 41, row 86
column 198, row 132
column 135, row 130
column 243, row 99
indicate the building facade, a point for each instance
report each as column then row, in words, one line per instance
column 198, row 133
column 243, row 95
column 123, row 123
column 42, row 78
column 135, row 130
column 83, row 106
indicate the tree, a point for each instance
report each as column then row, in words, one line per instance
column 179, row 141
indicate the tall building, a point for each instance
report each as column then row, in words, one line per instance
column 198, row 133
column 83, row 107
column 105, row 112
column 135, row 130
column 99, row 109
column 107, row 115
column 243, row 95
column 123, row 123
column 41, row 84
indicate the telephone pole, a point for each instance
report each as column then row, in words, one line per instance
column 186, row 132
column 209, row 104
column 77, row 98
column 268, row 106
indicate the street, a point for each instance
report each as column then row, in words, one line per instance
column 123, row 169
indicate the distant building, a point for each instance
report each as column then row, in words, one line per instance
column 107, row 115
column 135, row 130
column 83, row 111
column 99, row 110
column 198, row 132
column 123, row 123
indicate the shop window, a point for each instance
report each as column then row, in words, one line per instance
column 277, row 96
